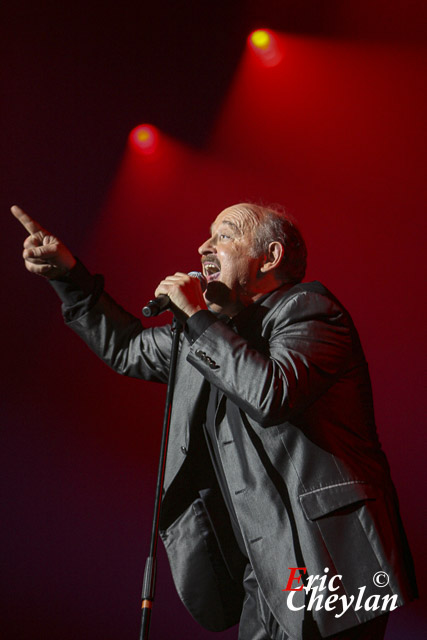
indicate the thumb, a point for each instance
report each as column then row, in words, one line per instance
column 45, row 252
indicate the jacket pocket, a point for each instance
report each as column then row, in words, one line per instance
column 325, row 500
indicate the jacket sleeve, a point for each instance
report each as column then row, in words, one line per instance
column 310, row 342
column 120, row 340
column 115, row 335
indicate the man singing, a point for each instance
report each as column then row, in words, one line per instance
column 278, row 507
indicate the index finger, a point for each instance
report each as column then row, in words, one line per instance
column 28, row 223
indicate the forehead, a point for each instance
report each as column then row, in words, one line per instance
column 241, row 220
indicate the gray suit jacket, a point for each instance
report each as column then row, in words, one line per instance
column 309, row 482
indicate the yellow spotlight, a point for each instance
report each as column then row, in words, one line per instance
column 265, row 45
column 144, row 138
column 260, row 39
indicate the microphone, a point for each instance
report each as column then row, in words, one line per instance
column 162, row 302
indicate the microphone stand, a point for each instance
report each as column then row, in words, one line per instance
column 149, row 583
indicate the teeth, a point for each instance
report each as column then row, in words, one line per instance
column 210, row 268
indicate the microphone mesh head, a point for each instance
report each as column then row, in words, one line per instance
column 200, row 277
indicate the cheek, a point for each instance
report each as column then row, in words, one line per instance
column 242, row 271
column 249, row 270
column 225, row 259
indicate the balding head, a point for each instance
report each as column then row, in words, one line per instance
column 272, row 224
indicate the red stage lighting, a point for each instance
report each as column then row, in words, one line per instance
column 264, row 44
column 144, row 138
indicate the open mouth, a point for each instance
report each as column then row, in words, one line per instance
column 211, row 270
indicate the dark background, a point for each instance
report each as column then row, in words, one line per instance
column 336, row 133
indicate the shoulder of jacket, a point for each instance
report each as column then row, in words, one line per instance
column 305, row 292
column 306, row 301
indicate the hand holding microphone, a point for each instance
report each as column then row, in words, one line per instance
column 182, row 292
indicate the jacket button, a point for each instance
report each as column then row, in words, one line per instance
column 184, row 450
column 200, row 354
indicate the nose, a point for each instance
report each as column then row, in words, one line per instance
column 206, row 247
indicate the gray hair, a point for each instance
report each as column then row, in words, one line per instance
column 272, row 224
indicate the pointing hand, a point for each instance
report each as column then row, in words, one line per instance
column 44, row 254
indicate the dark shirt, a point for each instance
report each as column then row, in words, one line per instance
column 209, row 430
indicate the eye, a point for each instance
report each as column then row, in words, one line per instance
column 224, row 235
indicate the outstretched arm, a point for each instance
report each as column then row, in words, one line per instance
column 114, row 335
column 44, row 254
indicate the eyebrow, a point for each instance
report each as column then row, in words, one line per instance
column 230, row 224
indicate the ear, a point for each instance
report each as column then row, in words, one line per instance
column 273, row 257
